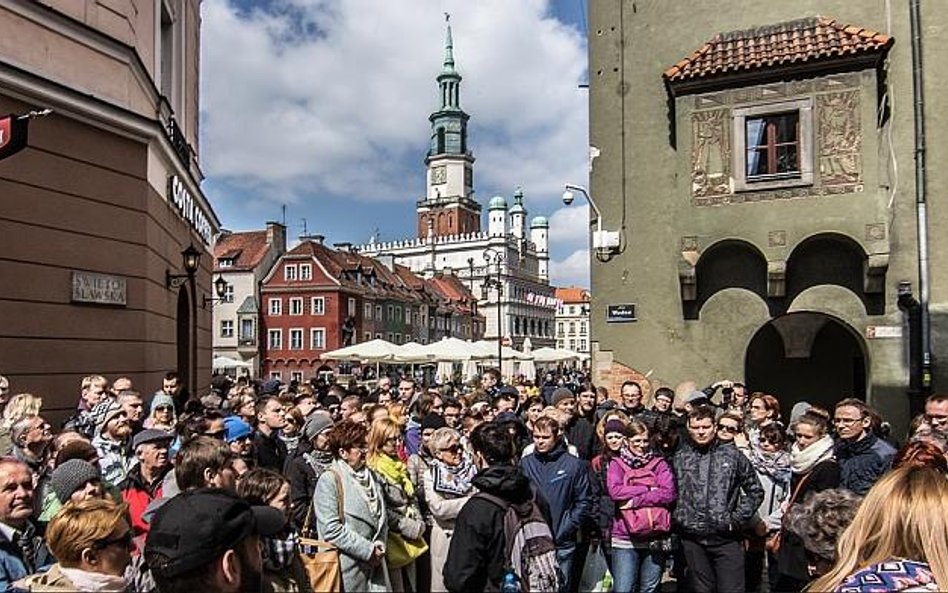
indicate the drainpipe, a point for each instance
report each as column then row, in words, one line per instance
column 921, row 205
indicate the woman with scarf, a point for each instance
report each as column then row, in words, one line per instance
column 813, row 469
column 447, row 485
column 350, row 511
column 771, row 461
column 406, row 527
column 643, row 487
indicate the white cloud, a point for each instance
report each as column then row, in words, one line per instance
column 572, row 271
column 315, row 99
column 571, row 225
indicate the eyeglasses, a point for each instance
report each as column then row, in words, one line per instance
column 452, row 448
column 936, row 418
column 772, row 441
column 164, row 408
column 729, row 428
column 125, row 540
column 846, row 421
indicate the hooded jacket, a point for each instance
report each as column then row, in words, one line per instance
column 563, row 481
column 862, row 462
column 476, row 556
column 718, row 491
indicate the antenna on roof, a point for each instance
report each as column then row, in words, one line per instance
column 283, row 208
column 304, row 227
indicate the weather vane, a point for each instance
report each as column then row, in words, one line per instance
column 447, row 17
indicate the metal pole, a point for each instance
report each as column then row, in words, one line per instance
column 500, row 337
column 920, row 190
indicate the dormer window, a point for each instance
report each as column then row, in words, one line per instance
column 225, row 262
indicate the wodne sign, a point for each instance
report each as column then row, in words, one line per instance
column 189, row 208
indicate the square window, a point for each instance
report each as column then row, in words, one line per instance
column 318, row 305
column 296, row 306
column 227, row 328
column 289, row 272
column 276, row 307
column 276, row 375
column 275, row 339
column 306, row 271
column 296, row 339
column 773, row 146
column 317, row 338
column 296, row 376
column 228, row 294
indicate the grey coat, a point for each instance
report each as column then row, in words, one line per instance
column 357, row 536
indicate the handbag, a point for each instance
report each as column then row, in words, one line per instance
column 773, row 541
column 401, row 552
column 320, row 559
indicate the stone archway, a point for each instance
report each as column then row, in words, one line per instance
column 807, row 356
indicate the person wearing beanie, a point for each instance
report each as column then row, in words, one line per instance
column 112, row 442
column 307, row 463
column 73, row 479
column 162, row 414
column 239, row 437
column 580, row 431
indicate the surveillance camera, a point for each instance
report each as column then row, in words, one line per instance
column 567, row 197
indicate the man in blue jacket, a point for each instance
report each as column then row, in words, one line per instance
column 863, row 457
column 562, row 480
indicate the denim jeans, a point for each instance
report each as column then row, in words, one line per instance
column 571, row 558
column 636, row 571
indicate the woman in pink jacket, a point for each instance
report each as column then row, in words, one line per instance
column 643, row 487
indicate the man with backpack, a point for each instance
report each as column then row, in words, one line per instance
column 563, row 481
column 501, row 538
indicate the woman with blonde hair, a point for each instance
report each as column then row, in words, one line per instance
column 92, row 540
column 406, row 527
column 896, row 541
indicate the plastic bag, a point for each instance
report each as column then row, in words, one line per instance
column 596, row 576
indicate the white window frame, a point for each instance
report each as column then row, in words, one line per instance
column 276, row 375
column 352, row 306
column 227, row 328
column 295, row 332
column 367, row 312
column 290, row 272
column 296, row 376
column 368, row 336
column 407, row 315
column 378, row 336
column 391, row 312
column 321, row 308
column 306, row 272
column 275, row 306
column 228, row 293
column 378, row 312
column 296, row 306
column 275, row 344
column 398, row 339
column 739, row 157
column 315, row 344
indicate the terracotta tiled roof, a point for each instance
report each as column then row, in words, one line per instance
column 247, row 249
column 793, row 42
column 572, row 294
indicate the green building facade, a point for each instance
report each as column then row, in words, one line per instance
column 759, row 160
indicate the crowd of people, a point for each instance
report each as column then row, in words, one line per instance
column 553, row 485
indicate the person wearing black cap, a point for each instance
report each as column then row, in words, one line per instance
column 145, row 479
column 208, row 540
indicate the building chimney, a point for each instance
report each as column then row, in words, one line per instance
column 387, row 260
column 318, row 239
column 343, row 246
column 276, row 236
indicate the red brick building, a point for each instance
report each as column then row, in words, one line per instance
column 316, row 299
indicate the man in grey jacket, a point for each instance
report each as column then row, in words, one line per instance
column 718, row 493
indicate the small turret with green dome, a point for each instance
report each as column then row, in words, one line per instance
column 539, row 222
column 497, row 203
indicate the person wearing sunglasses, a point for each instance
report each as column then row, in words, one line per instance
column 93, row 542
column 447, row 487
column 730, row 424
column 771, row 461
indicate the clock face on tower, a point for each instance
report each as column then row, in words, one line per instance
column 439, row 175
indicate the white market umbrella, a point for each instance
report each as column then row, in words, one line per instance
column 546, row 355
column 376, row 350
column 225, row 362
column 452, row 350
column 412, row 352
column 526, row 367
column 444, row 372
column 487, row 349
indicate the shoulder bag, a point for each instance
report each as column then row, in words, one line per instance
column 320, row 558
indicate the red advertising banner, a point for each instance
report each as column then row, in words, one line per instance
column 13, row 134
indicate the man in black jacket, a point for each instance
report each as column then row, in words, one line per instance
column 476, row 557
column 718, row 493
column 863, row 457
column 269, row 450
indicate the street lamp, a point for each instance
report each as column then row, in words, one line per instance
column 495, row 282
column 191, row 258
column 220, row 288
column 604, row 242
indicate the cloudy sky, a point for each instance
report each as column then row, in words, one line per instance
column 322, row 106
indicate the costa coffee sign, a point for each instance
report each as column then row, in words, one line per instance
column 189, row 209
